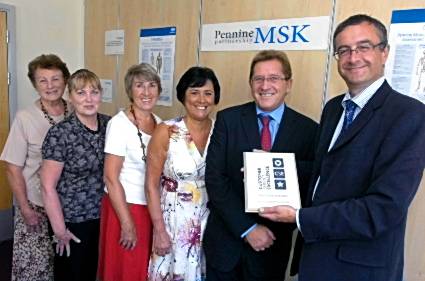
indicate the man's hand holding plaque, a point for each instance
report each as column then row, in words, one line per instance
column 279, row 213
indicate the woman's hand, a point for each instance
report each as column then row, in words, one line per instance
column 62, row 242
column 32, row 219
column 128, row 238
column 161, row 243
column 173, row 129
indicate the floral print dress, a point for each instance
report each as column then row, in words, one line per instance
column 184, row 207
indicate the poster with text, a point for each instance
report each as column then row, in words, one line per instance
column 157, row 47
column 405, row 69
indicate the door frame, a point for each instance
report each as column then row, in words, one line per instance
column 11, row 59
column 6, row 216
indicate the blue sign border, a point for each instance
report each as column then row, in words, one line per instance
column 408, row 16
column 161, row 31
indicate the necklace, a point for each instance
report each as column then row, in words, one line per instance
column 48, row 117
column 139, row 133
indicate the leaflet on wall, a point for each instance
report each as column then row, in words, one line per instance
column 106, row 90
column 157, row 47
column 114, row 42
column 270, row 180
column 310, row 33
column 405, row 68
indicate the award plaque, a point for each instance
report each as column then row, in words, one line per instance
column 270, row 180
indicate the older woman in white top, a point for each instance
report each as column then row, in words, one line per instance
column 126, row 228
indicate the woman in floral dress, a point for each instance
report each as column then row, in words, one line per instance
column 175, row 185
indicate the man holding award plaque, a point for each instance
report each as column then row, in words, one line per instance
column 369, row 162
column 241, row 245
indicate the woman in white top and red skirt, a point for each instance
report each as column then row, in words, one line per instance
column 126, row 228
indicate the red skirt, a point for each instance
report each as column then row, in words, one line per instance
column 116, row 263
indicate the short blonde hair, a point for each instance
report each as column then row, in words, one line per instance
column 82, row 77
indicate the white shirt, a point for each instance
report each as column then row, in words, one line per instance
column 122, row 140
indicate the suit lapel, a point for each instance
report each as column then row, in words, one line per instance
column 330, row 119
column 286, row 129
column 250, row 127
column 329, row 127
column 364, row 116
column 329, row 123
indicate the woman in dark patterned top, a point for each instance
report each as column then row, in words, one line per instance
column 72, row 179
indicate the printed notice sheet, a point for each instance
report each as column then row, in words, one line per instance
column 270, row 180
column 106, row 90
column 405, row 69
column 114, row 42
column 157, row 47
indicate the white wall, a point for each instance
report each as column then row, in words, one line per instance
column 43, row 26
column 46, row 26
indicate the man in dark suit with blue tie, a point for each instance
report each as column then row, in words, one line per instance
column 369, row 162
column 243, row 246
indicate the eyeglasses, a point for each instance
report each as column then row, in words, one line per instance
column 362, row 48
column 273, row 79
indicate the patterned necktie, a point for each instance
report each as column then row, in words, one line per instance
column 350, row 108
column 266, row 137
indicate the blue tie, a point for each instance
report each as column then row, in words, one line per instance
column 350, row 108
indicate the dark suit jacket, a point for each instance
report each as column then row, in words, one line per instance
column 236, row 131
column 354, row 229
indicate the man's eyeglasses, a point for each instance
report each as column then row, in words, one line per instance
column 271, row 79
column 362, row 48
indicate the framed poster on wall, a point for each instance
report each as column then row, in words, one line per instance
column 405, row 69
column 157, row 47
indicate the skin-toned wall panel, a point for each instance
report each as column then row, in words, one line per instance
column 414, row 243
column 232, row 68
column 100, row 15
column 160, row 13
column 150, row 14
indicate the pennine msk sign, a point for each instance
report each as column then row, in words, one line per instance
column 283, row 34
